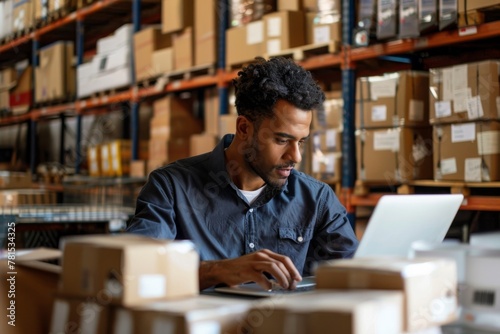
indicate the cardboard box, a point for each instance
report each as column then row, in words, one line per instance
column 182, row 44
column 429, row 285
column 318, row 33
column 55, row 76
column 128, row 269
column 176, row 15
column 94, row 160
column 401, row 154
column 227, row 124
column 138, row 168
column 173, row 118
column 112, row 70
column 163, row 61
column 35, row 284
column 15, row 180
column 158, row 149
column 74, row 315
column 467, row 151
column 178, row 148
column 85, row 74
column 146, row 41
column 23, row 15
column 6, row 11
column 395, row 99
column 327, row 155
column 202, row 143
column 200, row 314
column 16, row 197
column 293, row 5
column 206, row 18
column 212, row 111
column 284, row 30
column 465, row 92
column 20, row 98
column 8, row 79
column 245, row 43
column 347, row 312
column 331, row 116
column 120, row 155
column 120, row 38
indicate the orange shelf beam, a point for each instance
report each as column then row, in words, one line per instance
column 95, row 7
column 55, row 25
column 16, row 42
column 104, row 100
column 11, row 120
column 51, row 111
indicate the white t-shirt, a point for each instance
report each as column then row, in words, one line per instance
column 252, row 194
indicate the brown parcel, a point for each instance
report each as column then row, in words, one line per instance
column 128, row 269
column 429, row 285
column 35, row 287
column 348, row 312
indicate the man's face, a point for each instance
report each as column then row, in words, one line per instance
column 275, row 146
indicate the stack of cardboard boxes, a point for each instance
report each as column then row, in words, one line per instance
column 465, row 114
column 393, row 135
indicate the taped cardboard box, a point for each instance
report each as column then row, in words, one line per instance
column 284, row 30
column 400, row 154
column 327, row 155
column 146, row 42
column 245, row 43
column 465, row 92
column 73, row 315
column 34, row 289
column 467, row 151
column 395, row 99
column 347, row 312
column 429, row 285
column 176, row 15
column 20, row 98
column 128, row 269
column 200, row 314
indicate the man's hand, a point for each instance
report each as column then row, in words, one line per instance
column 248, row 268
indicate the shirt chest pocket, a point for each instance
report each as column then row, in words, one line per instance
column 296, row 235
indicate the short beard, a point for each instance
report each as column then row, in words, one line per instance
column 253, row 152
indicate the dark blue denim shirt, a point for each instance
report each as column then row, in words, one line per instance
column 195, row 199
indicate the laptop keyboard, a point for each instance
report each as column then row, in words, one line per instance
column 298, row 289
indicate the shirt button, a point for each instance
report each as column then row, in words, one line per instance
column 251, row 245
column 251, row 210
column 300, row 239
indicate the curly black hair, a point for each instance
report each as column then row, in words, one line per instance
column 260, row 85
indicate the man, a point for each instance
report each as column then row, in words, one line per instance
column 249, row 212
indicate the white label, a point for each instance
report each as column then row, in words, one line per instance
column 274, row 27
column 460, row 98
column 459, row 77
column 488, row 142
column 152, row 286
column 385, row 87
column 465, row 31
column 255, row 32
column 386, row 141
column 331, row 138
column 316, row 162
column 379, row 113
column 416, row 112
column 448, row 166
column 473, row 169
column 321, row 34
column 316, row 141
column 273, row 46
column 463, row 132
column 162, row 326
column 447, row 84
column 443, row 109
column 474, row 107
column 330, row 162
column 205, row 327
column 60, row 317
column 123, row 322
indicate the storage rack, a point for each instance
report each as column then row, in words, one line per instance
column 350, row 62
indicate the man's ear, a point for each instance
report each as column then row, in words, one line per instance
column 244, row 128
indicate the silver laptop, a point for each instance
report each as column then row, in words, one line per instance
column 400, row 220
column 396, row 222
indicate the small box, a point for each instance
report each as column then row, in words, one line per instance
column 467, row 151
column 206, row 17
column 429, row 285
column 146, row 42
column 245, row 43
column 163, row 61
column 402, row 154
column 128, row 269
column 202, row 143
column 82, row 315
column 347, row 312
column 176, row 15
column 284, row 30
column 465, row 92
column 182, row 44
column 200, row 314
column 394, row 99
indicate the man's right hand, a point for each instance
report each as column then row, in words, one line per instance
column 250, row 268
